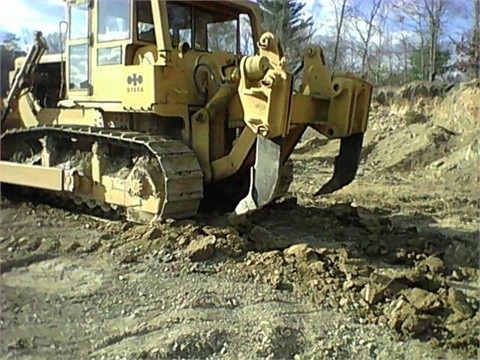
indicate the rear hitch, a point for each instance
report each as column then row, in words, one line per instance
column 345, row 165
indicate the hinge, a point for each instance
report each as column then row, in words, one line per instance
column 90, row 39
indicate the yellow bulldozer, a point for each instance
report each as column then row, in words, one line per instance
column 155, row 108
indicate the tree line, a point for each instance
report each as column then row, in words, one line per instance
column 386, row 41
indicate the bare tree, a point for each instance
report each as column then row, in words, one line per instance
column 376, row 62
column 435, row 9
column 340, row 7
column 468, row 46
column 366, row 18
column 411, row 16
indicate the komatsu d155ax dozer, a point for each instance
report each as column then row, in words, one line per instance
column 155, row 106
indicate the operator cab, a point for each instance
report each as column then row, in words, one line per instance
column 201, row 26
column 104, row 35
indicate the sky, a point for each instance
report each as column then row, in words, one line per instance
column 45, row 15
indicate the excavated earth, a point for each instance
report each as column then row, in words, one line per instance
column 386, row 268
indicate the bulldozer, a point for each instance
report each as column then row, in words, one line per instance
column 157, row 107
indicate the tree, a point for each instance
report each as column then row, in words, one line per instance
column 435, row 10
column 340, row 13
column 379, row 49
column 55, row 42
column 287, row 20
column 442, row 57
column 468, row 47
column 11, row 42
column 367, row 18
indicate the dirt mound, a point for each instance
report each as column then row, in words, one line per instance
column 420, row 136
column 411, row 148
column 460, row 111
column 388, row 95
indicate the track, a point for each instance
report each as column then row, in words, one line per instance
column 150, row 168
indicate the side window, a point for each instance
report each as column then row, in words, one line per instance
column 113, row 20
column 215, row 31
column 180, row 22
column 79, row 21
column 145, row 27
column 222, row 36
column 246, row 36
column 109, row 55
column 78, row 61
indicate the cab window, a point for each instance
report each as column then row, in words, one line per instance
column 113, row 20
column 78, row 20
column 212, row 31
column 145, row 25
column 180, row 23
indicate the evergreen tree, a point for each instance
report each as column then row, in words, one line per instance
column 288, row 20
column 417, row 72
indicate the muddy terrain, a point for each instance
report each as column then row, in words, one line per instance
column 386, row 268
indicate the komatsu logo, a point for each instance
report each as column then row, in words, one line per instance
column 134, row 81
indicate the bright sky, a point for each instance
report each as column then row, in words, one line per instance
column 45, row 15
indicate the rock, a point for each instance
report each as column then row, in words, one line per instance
column 300, row 252
column 434, row 264
column 240, row 223
column 372, row 293
column 128, row 259
column 265, row 241
column 403, row 318
column 232, row 245
column 152, row 234
column 48, row 245
column 317, row 266
column 93, row 245
column 347, row 285
column 460, row 253
column 201, row 249
column 354, row 267
column 220, row 231
column 423, row 300
column 74, row 246
column 458, row 302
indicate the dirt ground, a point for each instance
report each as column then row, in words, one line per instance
column 386, row 268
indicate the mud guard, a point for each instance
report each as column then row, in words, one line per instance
column 345, row 165
column 264, row 177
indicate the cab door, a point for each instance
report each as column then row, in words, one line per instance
column 79, row 48
column 112, row 33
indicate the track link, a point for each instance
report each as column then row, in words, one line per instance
column 173, row 169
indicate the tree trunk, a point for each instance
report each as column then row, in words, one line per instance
column 339, row 31
column 422, row 58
